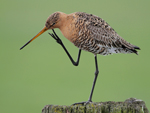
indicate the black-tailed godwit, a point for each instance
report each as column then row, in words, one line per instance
column 88, row 32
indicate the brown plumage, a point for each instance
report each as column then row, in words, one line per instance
column 88, row 32
column 96, row 36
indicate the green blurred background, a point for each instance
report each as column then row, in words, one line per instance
column 42, row 73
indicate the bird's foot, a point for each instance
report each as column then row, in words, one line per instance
column 58, row 40
column 54, row 35
column 83, row 103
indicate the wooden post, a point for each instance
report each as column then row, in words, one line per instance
column 130, row 105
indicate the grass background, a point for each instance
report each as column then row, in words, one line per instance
column 42, row 74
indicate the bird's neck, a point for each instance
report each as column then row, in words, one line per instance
column 66, row 25
column 62, row 20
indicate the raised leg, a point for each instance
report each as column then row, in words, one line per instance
column 54, row 35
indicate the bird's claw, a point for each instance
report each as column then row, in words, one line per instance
column 58, row 40
column 83, row 103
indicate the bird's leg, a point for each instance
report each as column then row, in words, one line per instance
column 94, row 82
column 54, row 35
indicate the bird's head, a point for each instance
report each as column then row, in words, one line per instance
column 52, row 22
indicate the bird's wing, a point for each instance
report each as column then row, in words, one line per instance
column 102, row 32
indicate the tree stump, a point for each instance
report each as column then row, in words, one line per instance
column 131, row 105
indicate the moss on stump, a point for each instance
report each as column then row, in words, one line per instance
column 130, row 105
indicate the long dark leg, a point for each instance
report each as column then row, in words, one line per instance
column 94, row 82
column 61, row 43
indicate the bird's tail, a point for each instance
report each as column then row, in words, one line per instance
column 130, row 48
column 134, row 49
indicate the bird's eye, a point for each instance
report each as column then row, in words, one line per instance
column 46, row 24
column 53, row 24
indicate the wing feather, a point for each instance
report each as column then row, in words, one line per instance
column 103, row 33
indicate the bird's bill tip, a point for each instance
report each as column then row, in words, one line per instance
column 42, row 31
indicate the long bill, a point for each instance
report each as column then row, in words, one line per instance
column 42, row 31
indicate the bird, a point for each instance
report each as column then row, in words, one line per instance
column 87, row 32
